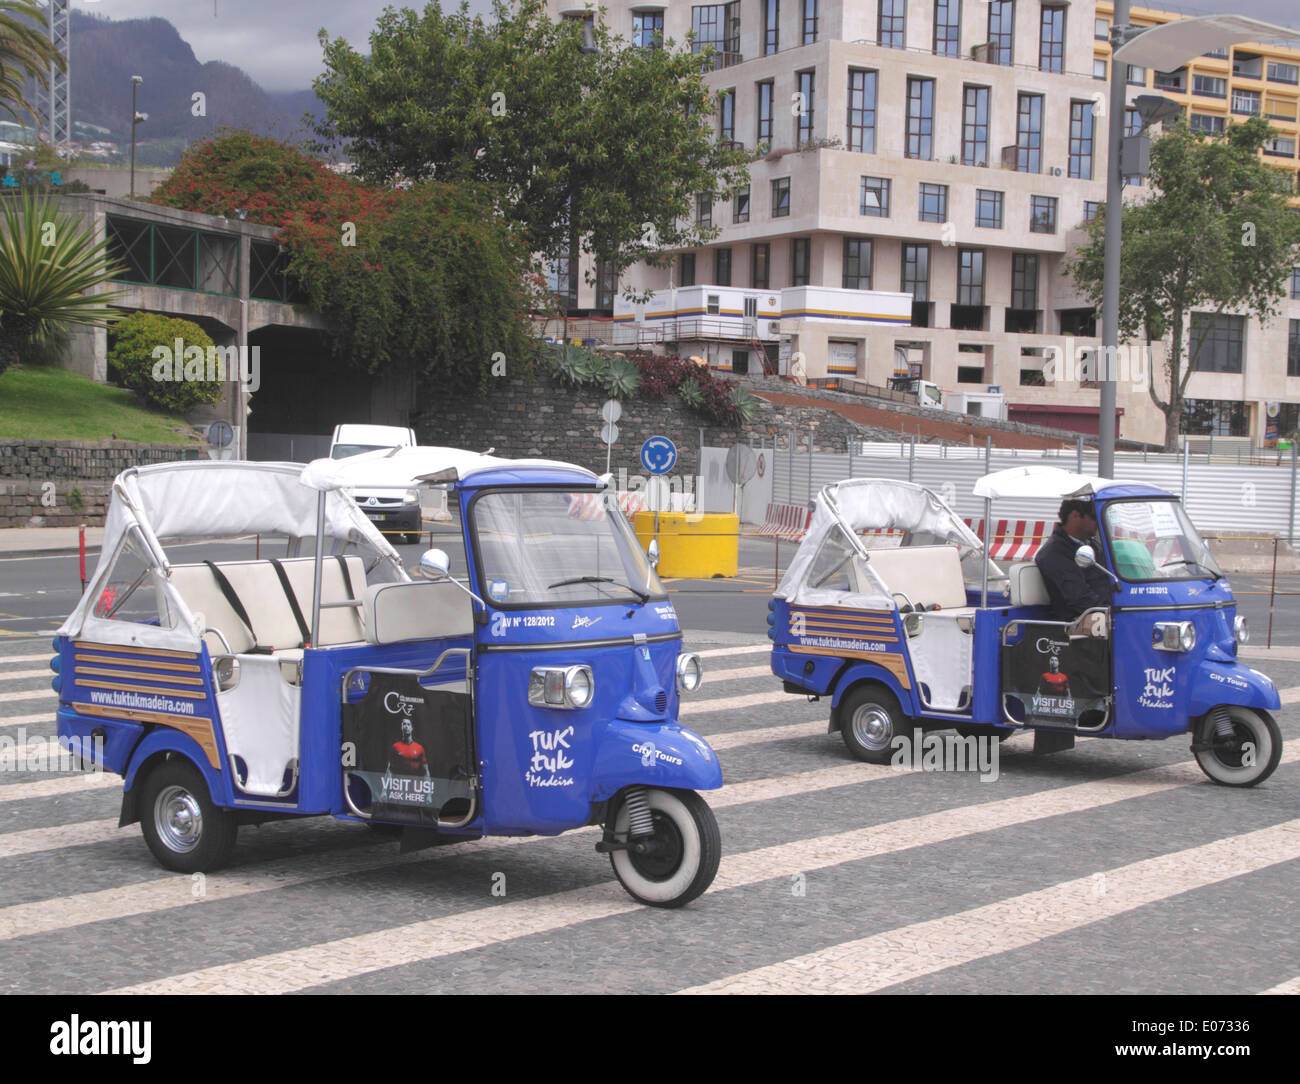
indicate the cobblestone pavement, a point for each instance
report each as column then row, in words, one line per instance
column 1113, row 868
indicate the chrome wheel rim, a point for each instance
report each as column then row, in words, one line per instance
column 872, row 726
column 178, row 819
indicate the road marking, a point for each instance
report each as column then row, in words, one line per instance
column 1291, row 986
column 23, row 720
column 728, row 703
column 46, row 657
column 738, row 649
column 66, row 784
column 736, row 674
column 15, row 675
column 923, row 948
column 55, row 838
column 313, row 965
column 34, row 694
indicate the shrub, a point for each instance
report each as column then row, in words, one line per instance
column 136, row 361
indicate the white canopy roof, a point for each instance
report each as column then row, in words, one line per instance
column 215, row 499
column 1039, row 481
column 863, row 504
column 1170, row 45
column 412, row 466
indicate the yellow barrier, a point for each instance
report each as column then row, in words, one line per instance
column 693, row 545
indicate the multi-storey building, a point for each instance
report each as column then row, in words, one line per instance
column 951, row 152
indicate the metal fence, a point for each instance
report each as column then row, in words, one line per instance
column 1256, row 497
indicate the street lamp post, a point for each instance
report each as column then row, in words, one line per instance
column 1163, row 48
column 136, row 118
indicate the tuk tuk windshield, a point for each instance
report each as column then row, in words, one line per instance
column 1154, row 540
column 549, row 547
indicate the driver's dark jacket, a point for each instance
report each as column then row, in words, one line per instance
column 1072, row 589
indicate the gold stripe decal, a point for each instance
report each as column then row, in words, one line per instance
column 892, row 662
column 167, row 680
column 152, row 664
column 82, row 645
column 199, row 728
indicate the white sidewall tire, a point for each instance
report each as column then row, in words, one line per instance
column 1268, row 749
column 698, row 853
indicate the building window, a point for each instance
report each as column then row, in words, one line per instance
column 892, row 29
column 1081, row 139
column 563, row 281
column 920, row 118
column 1293, row 350
column 857, row 264
column 947, row 27
column 988, row 209
column 1206, row 122
column 807, row 91
column 606, row 285
column 740, row 210
column 722, row 267
column 1279, row 147
column 1220, row 339
column 1283, row 73
column 932, row 203
column 862, row 111
column 1209, row 86
column 1246, row 102
column 686, row 269
column 1101, row 29
column 1213, row 418
column 1137, row 77
column 1042, row 214
column 760, row 266
column 1295, row 284
column 975, row 127
column 970, row 276
column 1002, row 30
column 781, row 197
column 766, row 93
column 916, row 272
column 771, row 26
column 727, row 116
column 717, row 25
column 1024, row 282
column 875, row 196
column 648, row 29
column 1176, row 81
column 1098, row 68
column 1029, row 133
column 704, row 211
column 809, row 21
column 1091, row 210
column 1051, row 40
column 800, row 260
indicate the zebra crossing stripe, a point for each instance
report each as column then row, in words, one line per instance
column 730, row 703
column 50, row 788
column 739, row 649
column 43, row 657
column 312, row 965
column 923, row 948
column 710, row 676
column 16, row 675
column 25, row 720
column 1291, row 986
column 30, row 694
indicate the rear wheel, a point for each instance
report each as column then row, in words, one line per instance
column 1248, row 756
column 870, row 720
column 679, row 861
column 183, row 828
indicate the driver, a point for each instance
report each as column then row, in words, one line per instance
column 1072, row 589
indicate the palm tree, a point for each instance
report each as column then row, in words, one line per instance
column 48, row 259
column 25, row 51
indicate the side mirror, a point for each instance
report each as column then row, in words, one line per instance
column 1084, row 557
column 435, row 564
column 653, row 553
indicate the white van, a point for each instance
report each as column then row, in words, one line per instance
column 393, row 511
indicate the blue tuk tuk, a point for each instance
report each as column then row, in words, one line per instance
column 892, row 609
column 538, row 695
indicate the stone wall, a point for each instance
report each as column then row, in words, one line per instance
column 63, row 483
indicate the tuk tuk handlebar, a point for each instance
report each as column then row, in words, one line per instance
column 405, row 672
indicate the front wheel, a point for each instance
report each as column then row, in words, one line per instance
column 1246, row 757
column 870, row 720
column 183, row 828
column 679, row 861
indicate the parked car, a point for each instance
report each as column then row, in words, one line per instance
column 393, row 511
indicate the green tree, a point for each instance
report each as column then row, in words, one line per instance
column 25, row 51
column 1216, row 236
column 48, row 260
column 142, row 356
column 606, row 148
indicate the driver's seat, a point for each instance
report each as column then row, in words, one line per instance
column 1027, row 586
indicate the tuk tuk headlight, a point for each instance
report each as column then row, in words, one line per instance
column 690, row 673
column 1240, row 629
column 561, row 687
column 1173, row 636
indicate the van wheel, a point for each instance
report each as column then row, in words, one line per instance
column 680, row 860
column 1249, row 756
column 182, row 827
column 870, row 720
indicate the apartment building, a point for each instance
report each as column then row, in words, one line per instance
column 949, row 152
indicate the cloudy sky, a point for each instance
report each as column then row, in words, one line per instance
column 274, row 41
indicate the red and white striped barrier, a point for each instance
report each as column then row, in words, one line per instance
column 785, row 521
column 1014, row 539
